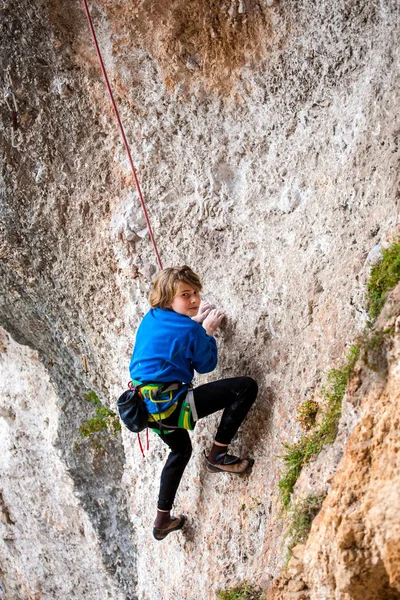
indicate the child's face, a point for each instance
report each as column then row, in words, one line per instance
column 186, row 300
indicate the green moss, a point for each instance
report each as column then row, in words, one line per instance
column 244, row 591
column 311, row 443
column 294, row 459
column 302, row 516
column 102, row 425
column 385, row 274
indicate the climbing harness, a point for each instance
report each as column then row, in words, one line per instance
column 165, row 393
column 134, row 412
column 127, row 148
column 160, row 393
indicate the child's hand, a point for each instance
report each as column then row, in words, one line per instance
column 213, row 321
column 204, row 310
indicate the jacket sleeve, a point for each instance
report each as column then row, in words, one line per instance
column 204, row 353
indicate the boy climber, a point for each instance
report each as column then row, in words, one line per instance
column 174, row 339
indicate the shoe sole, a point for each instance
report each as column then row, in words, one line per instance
column 214, row 469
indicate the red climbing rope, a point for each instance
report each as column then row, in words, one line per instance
column 146, row 216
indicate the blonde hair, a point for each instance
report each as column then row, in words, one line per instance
column 166, row 282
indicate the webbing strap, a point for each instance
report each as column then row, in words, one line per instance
column 163, row 415
column 148, row 391
column 190, row 400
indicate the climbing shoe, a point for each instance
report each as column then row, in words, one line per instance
column 229, row 464
column 175, row 524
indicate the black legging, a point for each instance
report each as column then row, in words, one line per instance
column 235, row 395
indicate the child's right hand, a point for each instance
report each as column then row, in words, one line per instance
column 213, row 321
column 204, row 310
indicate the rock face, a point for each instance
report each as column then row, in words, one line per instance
column 49, row 548
column 353, row 551
column 265, row 136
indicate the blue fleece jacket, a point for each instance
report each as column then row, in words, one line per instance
column 169, row 347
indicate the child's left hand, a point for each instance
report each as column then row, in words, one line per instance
column 204, row 310
column 213, row 321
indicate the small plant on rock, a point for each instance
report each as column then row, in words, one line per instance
column 302, row 516
column 385, row 274
column 105, row 422
column 307, row 414
column 312, row 442
column 244, row 591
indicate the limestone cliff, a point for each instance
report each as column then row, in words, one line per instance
column 265, row 136
column 353, row 551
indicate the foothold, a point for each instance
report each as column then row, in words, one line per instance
column 85, row 364
column 65, row 90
